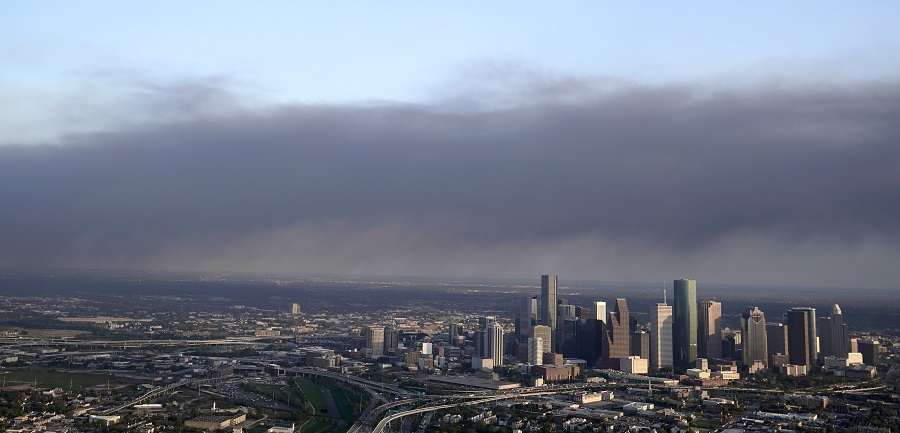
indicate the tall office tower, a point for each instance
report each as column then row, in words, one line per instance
column 481, row 339
column 870, row 350
column 731, row 341
column 391, row 339
column 564, row 311
column 600, row 311
column 545, row 334
column 452, row 332
column 801, row 322
column 661, row 338
column 527, row 316
column 685, row 330
column 709, row 341
column 776, row 341
column 589, row 339
column 568, row 345
column 375, row 340
column 833, row 338
column 295, row 309
column 640, row 344
column 753, row 334
column 536, row 351
column 617, row 343
column 548, row 301
column 494, row 343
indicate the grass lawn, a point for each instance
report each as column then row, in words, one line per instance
column 340, row 399
column 313, row 394
column 54, row 379
column 316, row 426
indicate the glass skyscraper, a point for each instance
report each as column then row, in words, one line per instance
column 684, row 332
column 548, row 301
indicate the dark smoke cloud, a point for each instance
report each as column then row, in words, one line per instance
column 600, row 179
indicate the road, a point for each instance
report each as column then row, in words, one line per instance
column 483, row 397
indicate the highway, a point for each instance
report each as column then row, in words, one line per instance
column 503, row 396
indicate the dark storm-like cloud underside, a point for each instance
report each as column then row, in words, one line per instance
column 660, row 166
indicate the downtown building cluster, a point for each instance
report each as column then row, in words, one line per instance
column 554, row 339
column 688, row 336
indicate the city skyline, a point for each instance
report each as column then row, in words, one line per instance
column 597, row 140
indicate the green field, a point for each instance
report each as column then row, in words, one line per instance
column 54, row 379
column 316, row 426
column 313, row 395
column 340, row 398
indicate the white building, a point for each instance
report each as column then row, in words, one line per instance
column 661, row 338
column 634, row 365
column 536, row 351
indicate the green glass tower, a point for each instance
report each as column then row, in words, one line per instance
column 684, row 333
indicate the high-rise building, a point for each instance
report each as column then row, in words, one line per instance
column 452, row 332
column 617, row 343
column 527, row 317
column 564, row 311
column 295, row 309
column 753, row 334
column 870, row 350
column 536, row 351
column 801, row 322
column 640, row 344
column 391, row 339
column 548, row 301
column 661, row 338
column 776, row 341
column 481, row 339
column 546, row 335
column 600, row 310
column 833, row 338
column 709, row 341
column 685, row 330
column 375, row 341
column 567, row 336
column 589, row 339
column 494, row 343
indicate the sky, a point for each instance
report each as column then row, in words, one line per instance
column 731, row 143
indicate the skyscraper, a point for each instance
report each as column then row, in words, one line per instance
column 617, row 342
column 833, row 338
column 481, row 338
column 391, row 339
column 494, row 343
column 871, row 351
column 589, row 339
column 600, row 310
column 661, row 338
column 640, row 344
column 567, row 336
column 685, row 329
column 801, row 322
column 753, row 334
column 709, row 341
column 548, row 301
column 776, row 341
column 536, row 351
column 546, row 335
column 527, row 317
column 375, row 340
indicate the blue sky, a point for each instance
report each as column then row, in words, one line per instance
column 424, row 138
column 327, row 51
